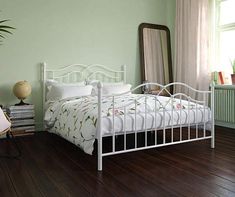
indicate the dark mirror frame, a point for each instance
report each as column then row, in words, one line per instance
column 141, row 45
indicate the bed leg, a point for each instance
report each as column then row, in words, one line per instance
column 212, row 143
column 212, row 115
column 100, row 162
column 100, row 158
column 213, row 137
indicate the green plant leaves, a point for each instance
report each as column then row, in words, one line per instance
column 4, row 29
column 233, row 65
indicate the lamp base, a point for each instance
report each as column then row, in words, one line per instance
column 21, row 103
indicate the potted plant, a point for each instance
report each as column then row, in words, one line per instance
column 233, row 75
column 4, row 29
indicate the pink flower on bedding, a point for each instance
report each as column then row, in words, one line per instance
column 115, row 112
column 179, row 106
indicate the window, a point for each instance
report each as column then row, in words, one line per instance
column 225, row 31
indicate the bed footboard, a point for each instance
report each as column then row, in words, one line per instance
column 191, row 119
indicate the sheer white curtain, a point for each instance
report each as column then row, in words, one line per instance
column 193, row 44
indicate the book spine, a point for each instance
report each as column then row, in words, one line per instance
column 221, row 77
column 215, row 77
column 18, row 117
column 22, row 133
column 23, row 107
column 28, row 127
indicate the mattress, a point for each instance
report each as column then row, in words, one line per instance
column 75, row 119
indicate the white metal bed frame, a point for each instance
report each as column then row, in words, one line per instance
column 120, row 75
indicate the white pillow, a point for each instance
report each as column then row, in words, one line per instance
column 95, row 82
column 115, row 89
column 58, row 92
column 52, row 82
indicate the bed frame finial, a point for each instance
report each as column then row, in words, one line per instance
column 99, row 85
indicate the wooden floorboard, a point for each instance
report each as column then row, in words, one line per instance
column 51, row 166
column 6, row 185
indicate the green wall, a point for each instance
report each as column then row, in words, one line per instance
column 73, row 31
column 171, row 23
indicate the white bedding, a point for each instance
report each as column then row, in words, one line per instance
column 75, row 119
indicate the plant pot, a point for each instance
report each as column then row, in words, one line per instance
column 233, row 78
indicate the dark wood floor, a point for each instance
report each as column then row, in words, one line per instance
column 51, row 166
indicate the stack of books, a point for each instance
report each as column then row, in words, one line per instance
column 22, row 119
column 221, row 78
column 4, row 110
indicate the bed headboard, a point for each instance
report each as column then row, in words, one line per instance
column 81, row 72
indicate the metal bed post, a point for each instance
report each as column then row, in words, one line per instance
column 99, row 131
column 212, row 115
column 172, row 120
column 113, row 135
column 135, row 124
column 44, row 65
column 155, row 120
column 124, row 73
column 145, row 121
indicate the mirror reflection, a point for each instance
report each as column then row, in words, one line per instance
column 155, row 55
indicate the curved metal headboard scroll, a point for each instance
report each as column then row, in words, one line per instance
column 81, row 72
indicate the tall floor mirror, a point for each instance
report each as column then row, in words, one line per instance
column 155, row 55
